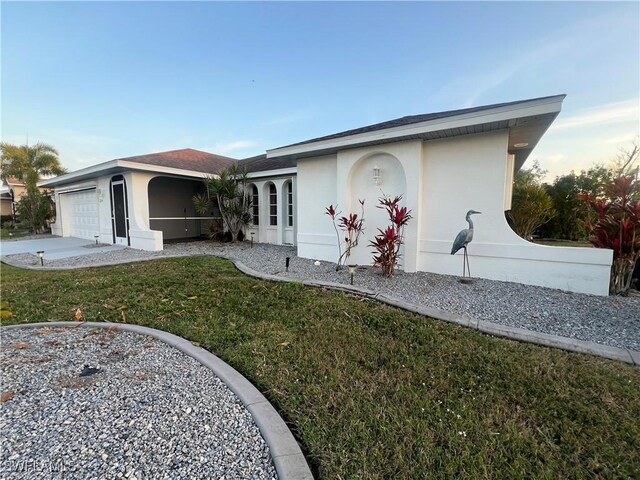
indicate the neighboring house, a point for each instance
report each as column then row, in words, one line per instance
column 443, row 164
column 11, row 192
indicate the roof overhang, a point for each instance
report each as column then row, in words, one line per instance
column 114, row 167
column 526, row 121
column 273, row 173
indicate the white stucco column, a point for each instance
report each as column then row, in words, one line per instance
column 294, row 188
column 282, row 206
column 140, row 234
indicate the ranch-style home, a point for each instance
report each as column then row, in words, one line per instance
column 443, row 164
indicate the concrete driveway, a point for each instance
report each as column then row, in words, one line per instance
column 56, row 247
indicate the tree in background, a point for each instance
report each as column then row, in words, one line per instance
column 229, row 189
column 29, row 163
column 35, row 209
column 531, row 205
column 571, row 212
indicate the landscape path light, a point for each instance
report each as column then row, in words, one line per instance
column 252, row 234
column 40, row 254
column 352, row 272
column 96, row 237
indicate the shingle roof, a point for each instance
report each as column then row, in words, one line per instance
column 261, row 163
column 410, row 119
column 185, row 159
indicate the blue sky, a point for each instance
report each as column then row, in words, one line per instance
column 101, row 80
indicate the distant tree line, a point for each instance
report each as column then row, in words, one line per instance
column 601, row 205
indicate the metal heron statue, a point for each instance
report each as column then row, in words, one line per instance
column 462, row 240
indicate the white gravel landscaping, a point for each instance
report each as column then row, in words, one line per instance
column 611, row 321
column 150, row 412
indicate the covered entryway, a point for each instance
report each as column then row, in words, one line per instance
column 171, row 208
column 79, row 214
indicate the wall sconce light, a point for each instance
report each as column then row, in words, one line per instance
column 40, row 254
column 352, row 272
column 376, row 175
column 96, row 237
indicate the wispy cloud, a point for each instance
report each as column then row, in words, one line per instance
column 229, row 147
column 617, row 140
column 617, row 112
column 545, row 55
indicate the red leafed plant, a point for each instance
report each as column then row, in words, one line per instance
column 388, row 242
column 351, row 226
column 614, row 223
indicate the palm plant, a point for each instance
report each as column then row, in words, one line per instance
column 229, row 190
column 29, row 163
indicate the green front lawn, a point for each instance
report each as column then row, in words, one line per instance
column 369, row 390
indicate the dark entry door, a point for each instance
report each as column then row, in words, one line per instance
column 119, row 212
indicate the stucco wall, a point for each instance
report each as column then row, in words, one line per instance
column 441, row 180
column 317, row 178
column 474, row 172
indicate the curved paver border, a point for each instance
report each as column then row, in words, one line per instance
column 514, row 333
column 287, row 457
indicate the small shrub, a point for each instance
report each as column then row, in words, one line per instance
column 388, row 242
column 615, row 224
column 352, row 226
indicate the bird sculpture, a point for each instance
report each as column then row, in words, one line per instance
column 462, row 240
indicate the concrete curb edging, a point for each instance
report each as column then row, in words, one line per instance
column 514, row 333
column 287, row 456
column 499, row 330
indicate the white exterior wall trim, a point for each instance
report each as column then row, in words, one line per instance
column 103, row 167
column 273, row 173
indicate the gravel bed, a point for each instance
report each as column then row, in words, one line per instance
column 151, row 412
column 610, row 320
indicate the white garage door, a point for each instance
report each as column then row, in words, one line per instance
column 79, row 211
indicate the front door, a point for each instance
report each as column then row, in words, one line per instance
column 119, row 213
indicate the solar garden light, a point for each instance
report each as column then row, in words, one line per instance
column 352, row 272
column 252, row 234
column 96, row 237
column 40, row 254
column 10, row 234
column 286, row 264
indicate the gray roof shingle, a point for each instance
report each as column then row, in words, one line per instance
column 410, row 119
column 185, row 159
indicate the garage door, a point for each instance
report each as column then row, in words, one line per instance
column 79, row 211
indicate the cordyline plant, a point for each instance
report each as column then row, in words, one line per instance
column 388, row 242
column 351, row 226
column 614, row 223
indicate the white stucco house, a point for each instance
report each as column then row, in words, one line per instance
column 443, row 164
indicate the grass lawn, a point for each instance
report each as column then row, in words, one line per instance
column 563, row 243
column 369, row 390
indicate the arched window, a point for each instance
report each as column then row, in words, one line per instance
column 255, row 206
column 273, row 205
column 289, row 190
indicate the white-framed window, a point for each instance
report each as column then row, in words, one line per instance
column 255, row 206
column 289, row 191
column 273, row 205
